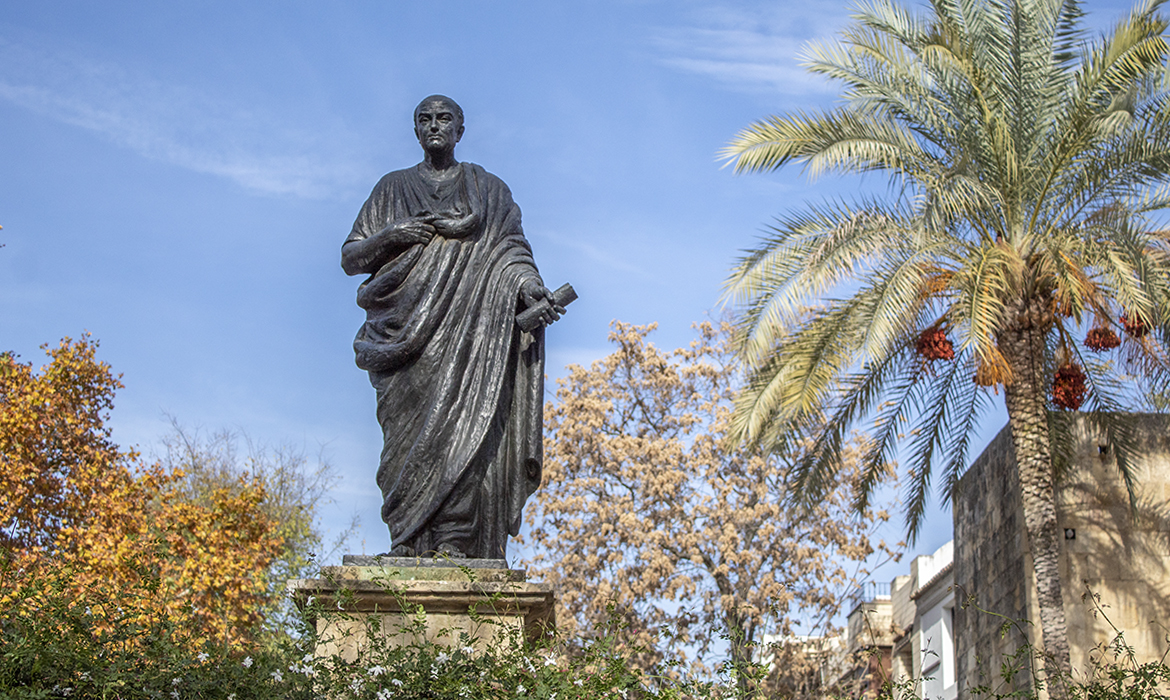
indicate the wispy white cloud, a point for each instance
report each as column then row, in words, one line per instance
column 176, row 124
column 592, row 253
column 752, row 50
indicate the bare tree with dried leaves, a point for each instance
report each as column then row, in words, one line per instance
column 645, row 515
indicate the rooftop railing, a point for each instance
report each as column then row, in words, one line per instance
column 869, row 592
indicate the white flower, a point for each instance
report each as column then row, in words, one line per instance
column 552, row 696
column 248, row 662
column 395, row 682
column 231, row 696
column 308, row 658
column 520, row 690
column 202, row 656
column 622, row 692
column 467, row 650
column 384, row 694
column 310, row 600
column 176, row 681
column 375, row 671
column 277, row 676
column 550, row 660
column 441, row 658
column 578, row 682
column 355, row 685
column 298, row 668
column 175, row 694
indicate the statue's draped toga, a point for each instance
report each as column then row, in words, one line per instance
column 459, row 385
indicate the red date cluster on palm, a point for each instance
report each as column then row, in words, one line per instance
column 1101, row 339
column 1135, row 326
column 933, row 344
column 1068, row 387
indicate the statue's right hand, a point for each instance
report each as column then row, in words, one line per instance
column 411, row 231
column 366, row 255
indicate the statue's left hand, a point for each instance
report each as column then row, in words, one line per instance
column 532, row 292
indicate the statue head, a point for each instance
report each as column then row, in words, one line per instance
column 438, row 124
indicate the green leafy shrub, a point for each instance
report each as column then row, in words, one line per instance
column 54, row 644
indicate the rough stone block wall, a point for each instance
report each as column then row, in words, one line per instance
column 990, row 568
column 1115, row 553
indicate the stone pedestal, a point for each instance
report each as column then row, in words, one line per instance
column 400, row 601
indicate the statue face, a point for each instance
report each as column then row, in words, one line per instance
column 438, row 126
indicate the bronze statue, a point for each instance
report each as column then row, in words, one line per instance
column 459, row 384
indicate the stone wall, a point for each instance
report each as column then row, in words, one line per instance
column 990, row 567
column 869, row 625
column 1113, row 553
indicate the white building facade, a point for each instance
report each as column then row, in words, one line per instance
column 923, row 618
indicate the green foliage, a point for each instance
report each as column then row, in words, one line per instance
column 49, row 649
column 1113, row 673
column 55, row 643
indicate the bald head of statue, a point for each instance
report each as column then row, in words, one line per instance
column 438, row 123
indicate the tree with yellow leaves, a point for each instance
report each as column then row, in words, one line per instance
column 645, row 514
column 71, row 499
column 56, row 455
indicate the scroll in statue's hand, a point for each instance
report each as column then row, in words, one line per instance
column 539, row 300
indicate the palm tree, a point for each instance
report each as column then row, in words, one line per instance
column 1027, row 161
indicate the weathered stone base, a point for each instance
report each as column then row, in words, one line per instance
column 397, row 601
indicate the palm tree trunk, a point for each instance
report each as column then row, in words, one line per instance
column 1023, row 347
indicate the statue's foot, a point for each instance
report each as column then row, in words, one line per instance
column 446, row 550
column 402, row 550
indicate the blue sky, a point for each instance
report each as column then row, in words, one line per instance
column 177, row 179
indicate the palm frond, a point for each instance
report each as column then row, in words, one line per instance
column 824, row 141
column 948, row 398
column 1030, row 169
column 896, row 374
column 984, row 279
column 805, row 257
